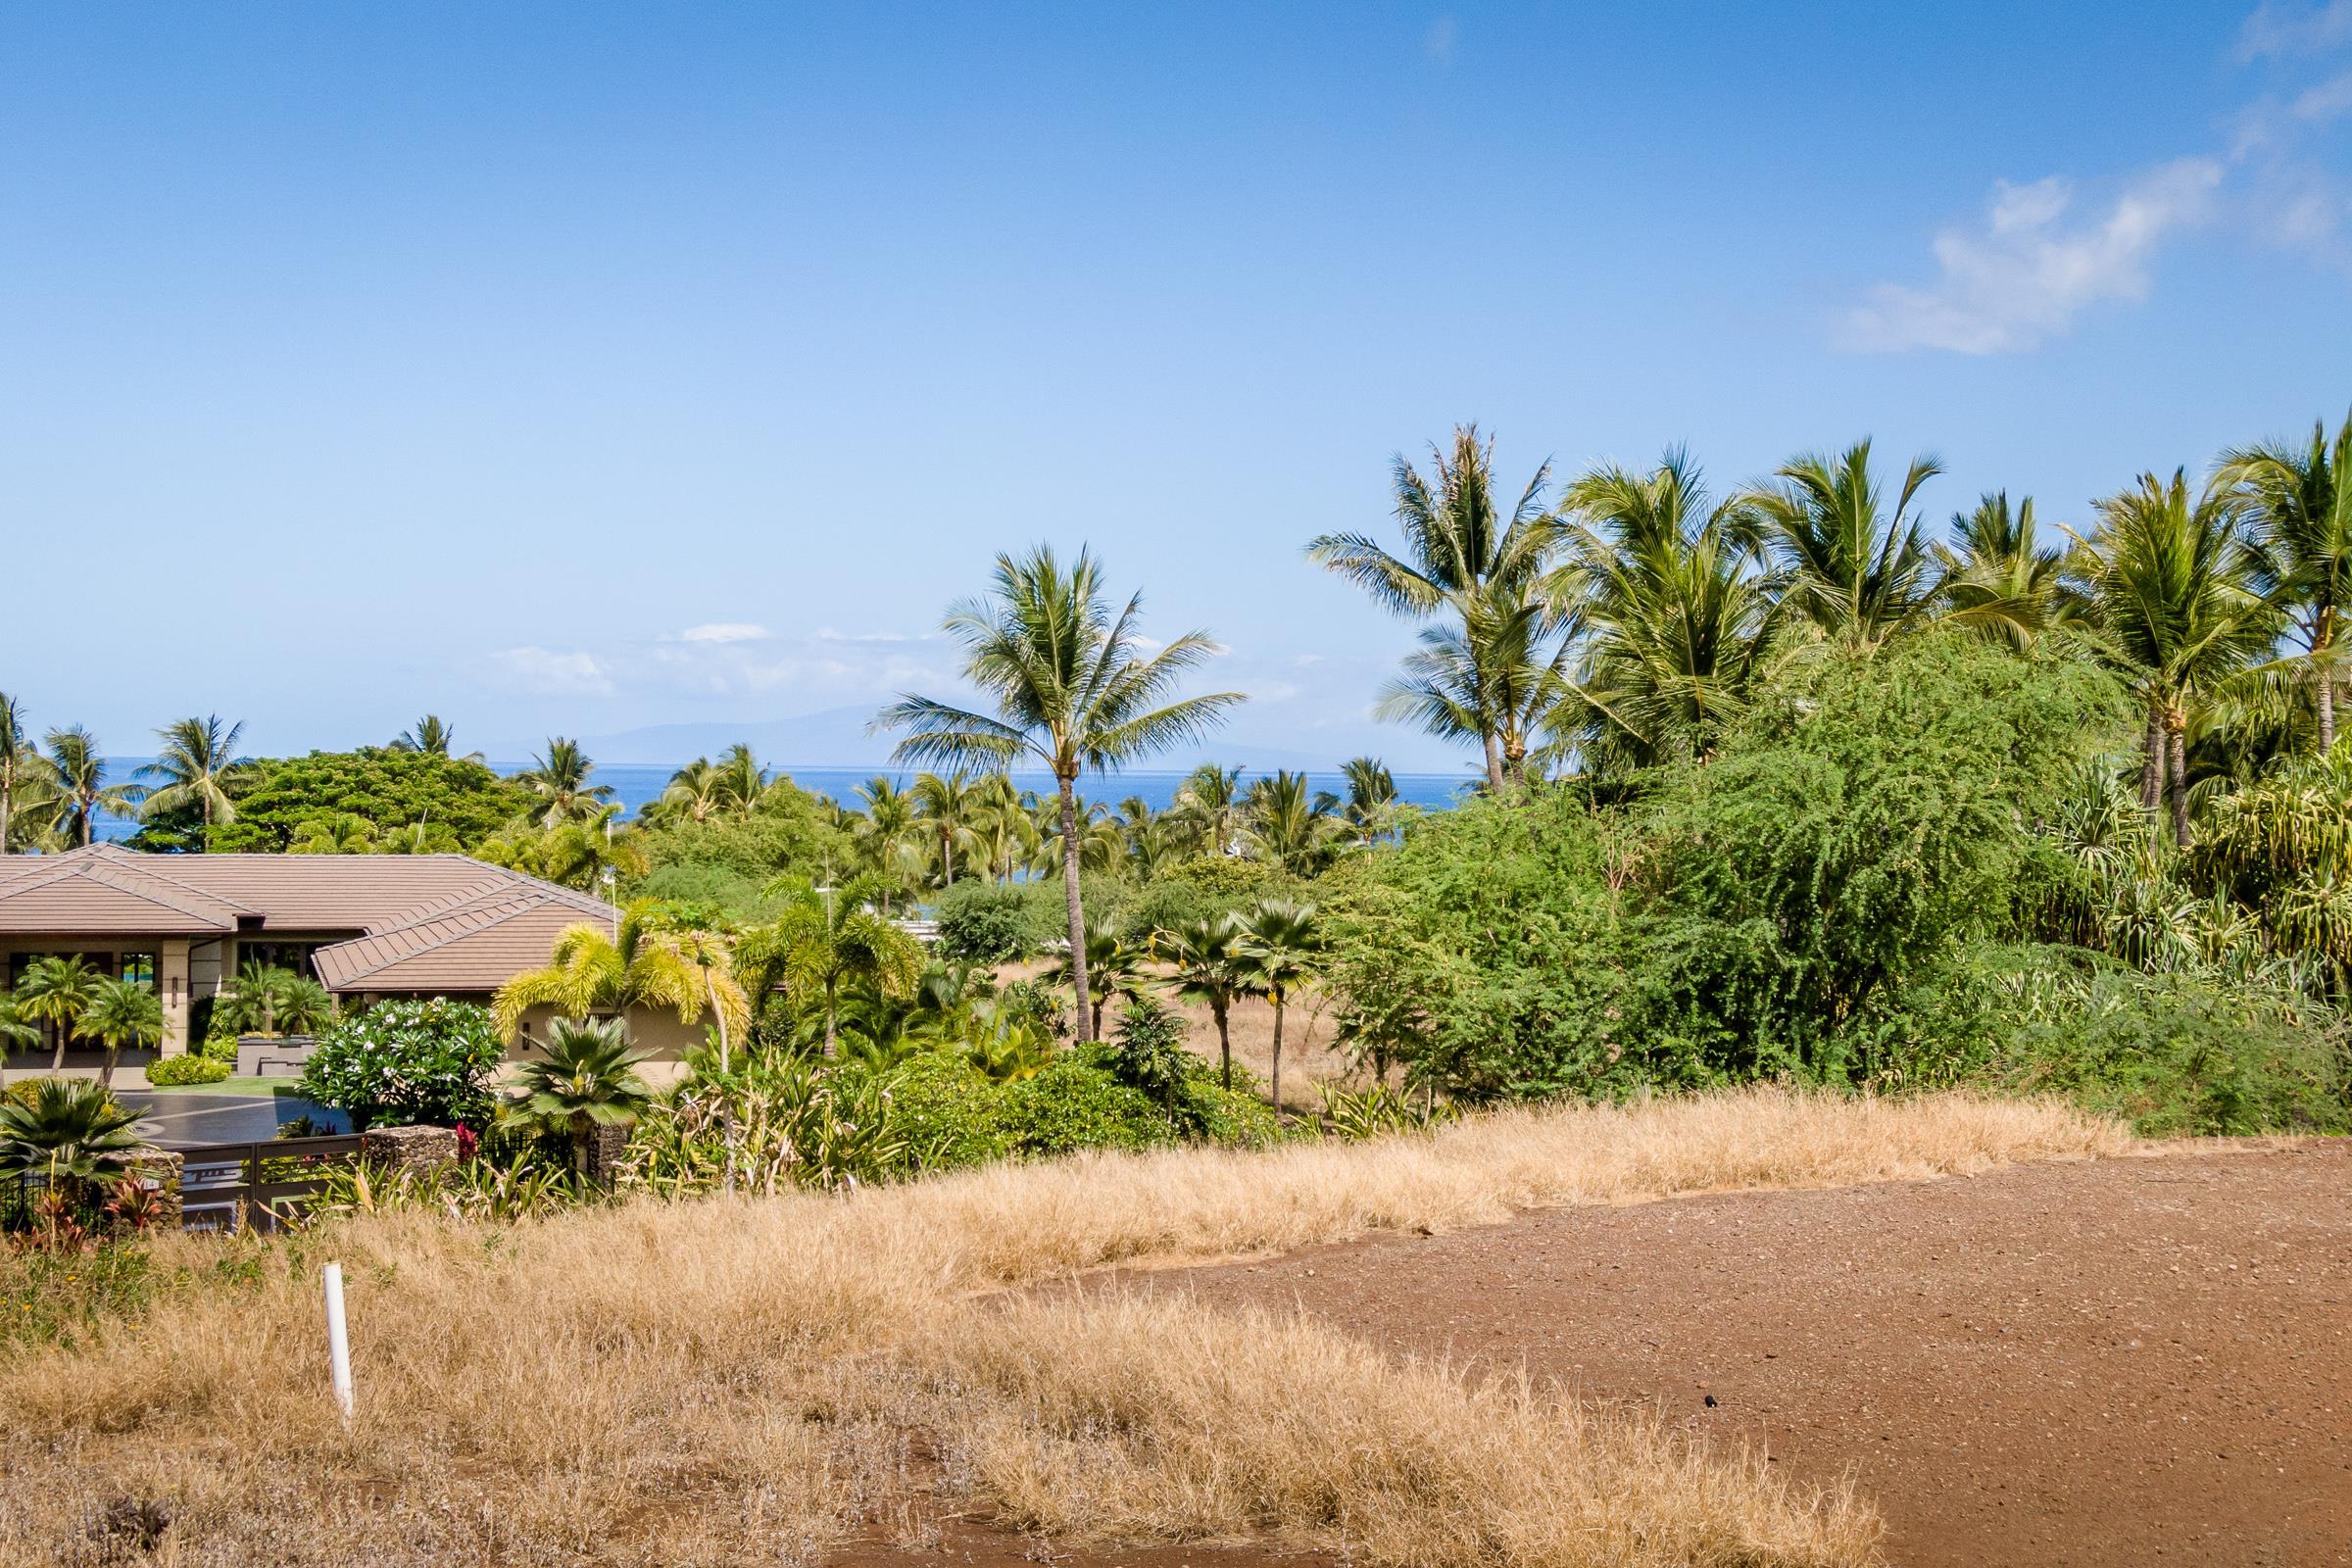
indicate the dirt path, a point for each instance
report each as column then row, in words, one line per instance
column 2122, row 1362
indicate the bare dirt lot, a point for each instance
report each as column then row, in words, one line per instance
column 2118, row 1363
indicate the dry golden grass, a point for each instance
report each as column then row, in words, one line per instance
column 735, row 1381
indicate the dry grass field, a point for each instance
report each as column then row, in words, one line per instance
column 731, row 1381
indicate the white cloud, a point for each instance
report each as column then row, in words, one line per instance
column 542, row 669
column 2291, row 30
column 2330, row 99
column 2026, row 272
column 723, row 631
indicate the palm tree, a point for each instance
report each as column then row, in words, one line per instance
column 2002, row 580
column 888, row 837
column 1210, row 798
column 17, row 763
column 695, row 793
column 1677, row 619
column 1286, row 824
column 1492, row 678
column 1280, row 947
column 1072, row 691
column 72, row 1134
column 1003, row 835
column 594, row 971
column 197, row 767
column 122, row 1012
column 741, row 778
column 1370, row 806
column 18, row 1029
column 1459, row 545
column 589, row 1080
column 71, row 784
column 558, row 776
column 829, row 938
column 335, row 833
column 2301, row 500
column 55, row 990
column 947, row 806
column 1208, row 969
column 431, row 736
column 1113, row 968
column 1842, row 560
column 2170, row 581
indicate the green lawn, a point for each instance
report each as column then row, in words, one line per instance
column 226, row 1086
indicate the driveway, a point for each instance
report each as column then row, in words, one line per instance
column 183, row 1120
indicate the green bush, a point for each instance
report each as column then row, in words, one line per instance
column 171, row 1071
column 949, row 1112
column 2174, row 1055
column 984, row 922
column 1073, row 1106
column 1230, row 1118
column 402, row 1063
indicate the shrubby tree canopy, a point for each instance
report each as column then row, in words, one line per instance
column 460, row 801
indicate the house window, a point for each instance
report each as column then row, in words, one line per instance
column 138, row 968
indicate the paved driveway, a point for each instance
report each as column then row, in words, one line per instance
column 183, row 1120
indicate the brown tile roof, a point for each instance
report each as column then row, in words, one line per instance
column 424, row 922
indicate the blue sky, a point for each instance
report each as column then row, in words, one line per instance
column 573, row 368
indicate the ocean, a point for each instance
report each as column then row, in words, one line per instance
column 635, row 784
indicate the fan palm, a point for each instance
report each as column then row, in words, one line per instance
column 1841, row 560
column 1208, row 969
column 2001, row 580
column 594, row 971
column 1112, row 966
column 826, row 939
column 121, row 1013
column 72, row 785
column 197, row 767
column 55, row 990
column 2171, row 583
column 1677, row 621
column 589, row 1080
column 1459, row 545
column 72, row 1133
column 558, row 776
column 2301, row 505
column 1280, row 947
column 1072, row 691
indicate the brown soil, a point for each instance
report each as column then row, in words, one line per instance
column 2119, row 1362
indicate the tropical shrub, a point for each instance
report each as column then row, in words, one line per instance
column 1075, row 1104
column 984, row 922
column 949, row 1113
column 402, row 1063
column 169, row 1073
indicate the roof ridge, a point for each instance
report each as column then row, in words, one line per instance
column 138, row 864
column 465, row 924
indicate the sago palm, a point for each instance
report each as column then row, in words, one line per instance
column 588, row 1080
column 72, row 1133
column 1072, row 690
column 1458, row 544
column 121, row 1013
column 196, row 767
column 2170, row 579
column 2300, row 500
column 1677, row 619
column 1842, row 559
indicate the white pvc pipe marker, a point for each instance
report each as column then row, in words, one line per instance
column 338, row 1340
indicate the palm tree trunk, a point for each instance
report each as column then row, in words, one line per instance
column 1278, row 1054
column 7, row 790
column 106, row 1074
column 726, row 1107
column 2151, row 767
column 2326, row 696
column 1493, row 763
column 2177, row 784
column 832, row 1015
column 1069, row 885
column 1224, row 1040
column 57, row 1061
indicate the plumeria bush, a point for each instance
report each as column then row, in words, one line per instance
column 401, row 1062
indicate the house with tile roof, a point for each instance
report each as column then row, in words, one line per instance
column 367, row 926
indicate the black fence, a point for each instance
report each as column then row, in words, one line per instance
column 232, row 1186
